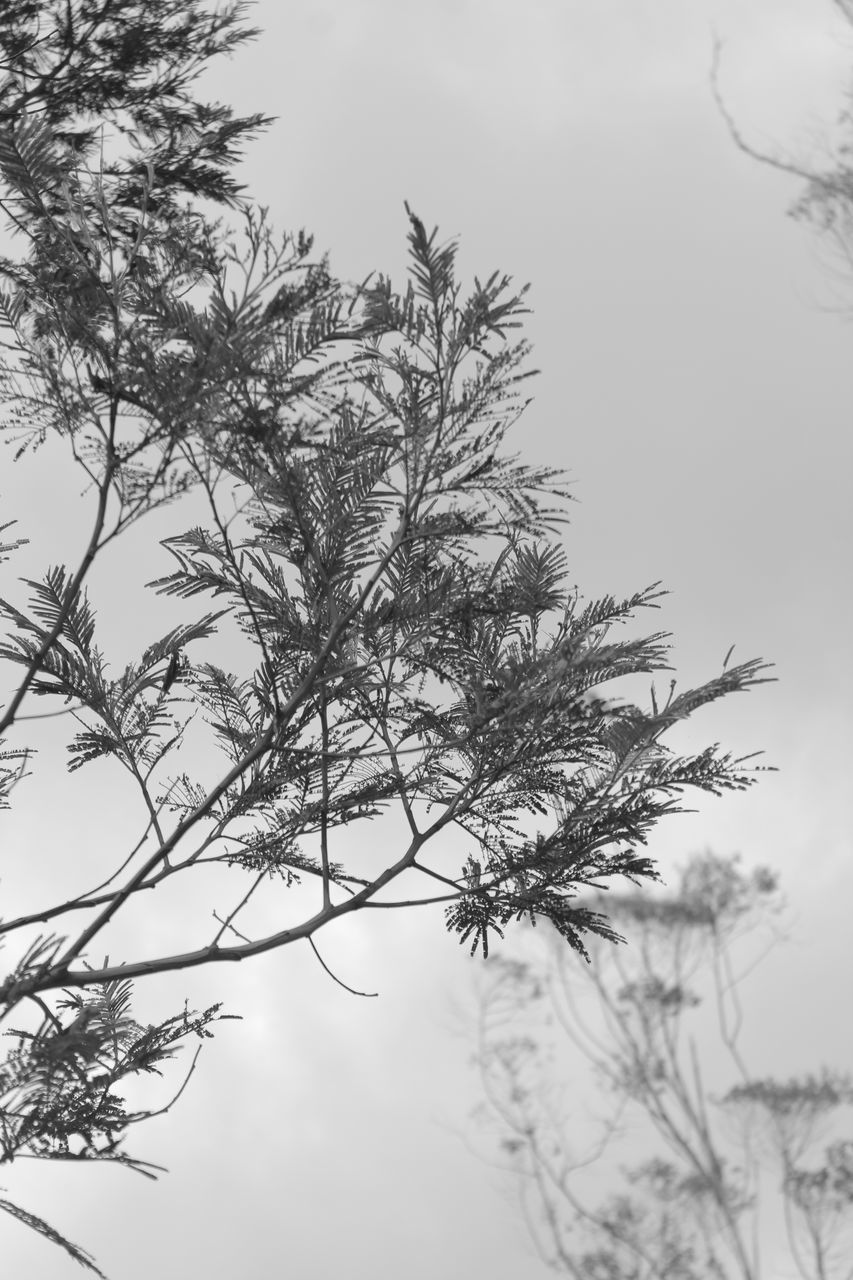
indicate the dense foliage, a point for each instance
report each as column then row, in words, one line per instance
column 391, row 577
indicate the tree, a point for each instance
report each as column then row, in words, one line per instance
column 694, row 1205
column 389, row 578
column 826, row 196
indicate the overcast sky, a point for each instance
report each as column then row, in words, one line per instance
column 694, row 348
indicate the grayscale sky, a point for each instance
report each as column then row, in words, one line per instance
column 694, row 348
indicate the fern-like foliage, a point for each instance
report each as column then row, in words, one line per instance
column 72, row 66
column 58, row 1082
column 400, row 578
column 13, row 767
column 404, row 586
column 50, row 1233
column 389, row 577
column 131, row 718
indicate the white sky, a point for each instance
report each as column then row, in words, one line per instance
column 695, row 381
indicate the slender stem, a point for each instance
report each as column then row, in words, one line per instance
column 324, row 799
column 60, row 976
column 71, row 593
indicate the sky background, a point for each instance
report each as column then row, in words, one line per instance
column 693, row 343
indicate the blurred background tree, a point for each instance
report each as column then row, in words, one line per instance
column 825, row 202
column 652, row 1150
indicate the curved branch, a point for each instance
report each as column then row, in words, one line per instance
column 338, row 980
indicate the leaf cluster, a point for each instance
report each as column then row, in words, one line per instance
column 397, row 574
column 58, row 1083
column 76, row 65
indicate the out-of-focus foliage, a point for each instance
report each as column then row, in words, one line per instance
column 824, row 178
column 714, row 1175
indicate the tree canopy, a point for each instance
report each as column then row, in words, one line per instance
column 391, row 577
